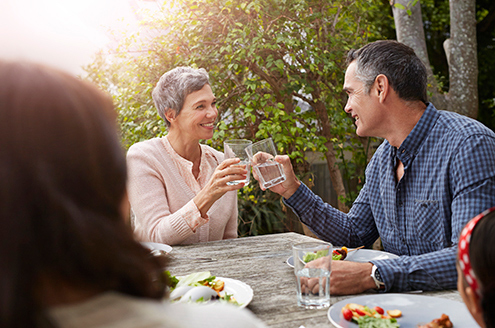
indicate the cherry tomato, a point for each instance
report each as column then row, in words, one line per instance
column 347, row 314
column 379, row 310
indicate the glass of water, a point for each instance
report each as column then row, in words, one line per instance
column 262, row 156
column 313, row 279
column 235, row 148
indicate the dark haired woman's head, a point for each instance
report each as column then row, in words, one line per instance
column 477, row 252
column 63, row 180
column 405, row 71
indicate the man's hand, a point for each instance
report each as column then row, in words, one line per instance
column 291, row 183
column 311, row 285
column 349, row 278
column 346, row 278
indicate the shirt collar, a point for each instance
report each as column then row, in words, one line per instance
column 176, row 157
column 419, row 133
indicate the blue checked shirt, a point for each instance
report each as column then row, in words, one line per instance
column 449, row 177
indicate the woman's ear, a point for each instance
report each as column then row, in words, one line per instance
column 170, row 115
column 473, row 303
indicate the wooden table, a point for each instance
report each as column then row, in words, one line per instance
column 260, row 262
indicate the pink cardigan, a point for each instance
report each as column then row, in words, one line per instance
column 161, row 199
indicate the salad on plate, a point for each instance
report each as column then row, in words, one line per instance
column 200, row 287
column 367, row 317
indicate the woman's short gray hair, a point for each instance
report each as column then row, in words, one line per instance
column 174, row 86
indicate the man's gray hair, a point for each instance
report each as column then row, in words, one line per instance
column 404, row 70
column 174, row 86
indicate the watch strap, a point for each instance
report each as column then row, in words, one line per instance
column 377, row 278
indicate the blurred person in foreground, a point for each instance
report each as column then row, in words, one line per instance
column 434, row 170
column 178, row 187
column 67, row 256
column 476, row 267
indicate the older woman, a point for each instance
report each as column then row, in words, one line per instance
column 68, row 258
column 178, row 187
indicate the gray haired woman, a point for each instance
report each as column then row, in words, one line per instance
column 178, row 187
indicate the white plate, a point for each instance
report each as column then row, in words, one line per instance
column 361, row 255
column 416, row 309
column 241, row 291
column 366, row 255
column 157, row 246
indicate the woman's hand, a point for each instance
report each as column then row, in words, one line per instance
column 227, row 171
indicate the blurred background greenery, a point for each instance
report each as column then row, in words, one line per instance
column 277, row 68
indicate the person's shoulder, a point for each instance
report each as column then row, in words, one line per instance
column 462, row 126
column 207, row 316
column 147, row 146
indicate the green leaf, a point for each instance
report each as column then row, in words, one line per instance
column 258, row 55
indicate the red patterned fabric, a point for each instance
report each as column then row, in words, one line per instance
column 464, row 259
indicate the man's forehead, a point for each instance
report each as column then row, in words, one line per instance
column 349, row 75
column 351, row 69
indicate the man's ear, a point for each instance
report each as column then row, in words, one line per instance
column 170, row 114
column 381, row 87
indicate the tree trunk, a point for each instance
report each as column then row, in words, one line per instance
column 331, row 157
column 463, row 60
column 461, row 50
column 409, row 30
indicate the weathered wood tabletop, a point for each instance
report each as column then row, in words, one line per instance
column 260, row 262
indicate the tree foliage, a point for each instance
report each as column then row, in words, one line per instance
column 276, row 67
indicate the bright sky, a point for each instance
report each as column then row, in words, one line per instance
column 61, row 33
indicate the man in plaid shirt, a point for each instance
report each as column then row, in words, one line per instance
column 432, row 174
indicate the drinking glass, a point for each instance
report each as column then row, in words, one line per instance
column 235, row 148
column 262, row 156
column 313, row 281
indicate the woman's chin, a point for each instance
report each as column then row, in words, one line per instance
column 208, row 135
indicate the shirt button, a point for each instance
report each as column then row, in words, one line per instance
column 403, row 150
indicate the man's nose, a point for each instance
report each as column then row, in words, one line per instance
column 347, row 107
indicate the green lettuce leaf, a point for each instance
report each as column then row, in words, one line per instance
column 371, row 322
column 308, row 257
column 194, row 279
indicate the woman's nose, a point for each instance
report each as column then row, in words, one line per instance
column 212, row 111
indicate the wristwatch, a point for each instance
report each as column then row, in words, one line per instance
column 377, row 278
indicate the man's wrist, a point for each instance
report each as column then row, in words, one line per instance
column 377, row 278
column 292, row 189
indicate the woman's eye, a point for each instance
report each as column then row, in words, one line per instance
column 200, row 107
